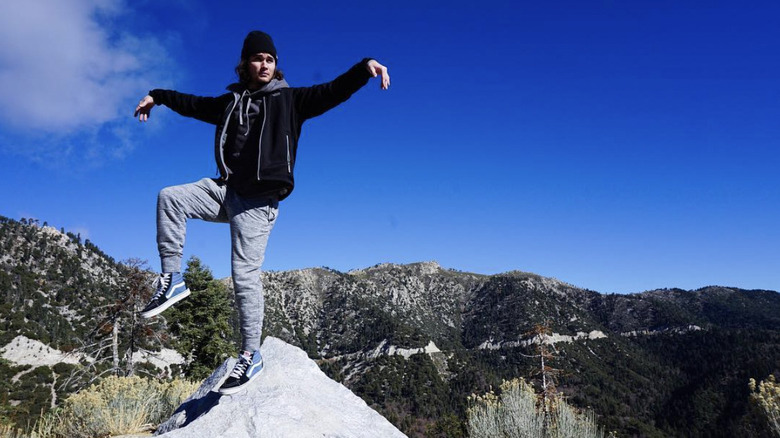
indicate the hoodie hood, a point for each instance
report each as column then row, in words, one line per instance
column 273, row 85
column 248, row 101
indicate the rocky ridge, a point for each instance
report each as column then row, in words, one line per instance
column 290, row 398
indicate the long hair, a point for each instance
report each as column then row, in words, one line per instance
column 242, row 71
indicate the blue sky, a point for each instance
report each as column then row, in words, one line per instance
column 617, row 146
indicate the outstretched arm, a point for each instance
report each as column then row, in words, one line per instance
column 206, row 109
column 313, row 101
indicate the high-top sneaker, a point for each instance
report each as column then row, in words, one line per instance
column 247, row 368
column 170, row 290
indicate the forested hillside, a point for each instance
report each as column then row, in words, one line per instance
column 68, row 317
column 416, row 340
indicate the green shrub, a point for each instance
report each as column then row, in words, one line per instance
column 117, row 406
column 519, row 413
column 766, row 395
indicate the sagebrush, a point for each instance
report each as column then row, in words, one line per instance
column 519, row 413
column 115, row 406
column 766, row 395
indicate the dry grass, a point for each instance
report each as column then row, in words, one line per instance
column 43, row 428
column 115, row 406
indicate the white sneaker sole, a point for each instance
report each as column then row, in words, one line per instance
column 235, row 389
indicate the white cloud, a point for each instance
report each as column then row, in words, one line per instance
column 68, row 69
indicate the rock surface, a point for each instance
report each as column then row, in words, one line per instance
column 292, row 397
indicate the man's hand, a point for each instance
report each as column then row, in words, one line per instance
column 375, row 69
column 144, row 108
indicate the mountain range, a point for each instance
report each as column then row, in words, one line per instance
column 414, row 341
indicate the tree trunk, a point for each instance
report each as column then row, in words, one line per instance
column 115, row 346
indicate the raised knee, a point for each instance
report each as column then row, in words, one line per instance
column 166, row 195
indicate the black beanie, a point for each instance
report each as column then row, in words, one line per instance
column 257, row 42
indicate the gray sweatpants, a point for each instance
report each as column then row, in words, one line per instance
column 251, row 221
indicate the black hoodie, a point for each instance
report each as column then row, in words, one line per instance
column 277, row 115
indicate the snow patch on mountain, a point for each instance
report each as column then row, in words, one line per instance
column 385, row 349
column 25, row 351
column 391, row 350
column 673, row 330
column 162, row 359
column 548, row 340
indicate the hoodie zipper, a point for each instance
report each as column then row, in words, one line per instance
column 287, row 136
column 260, row 141
column 241, row 109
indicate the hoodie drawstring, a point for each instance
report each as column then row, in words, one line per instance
column 241, row 109
column 248, row 102
column 244, row 113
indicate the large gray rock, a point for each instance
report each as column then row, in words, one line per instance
column 290, row 398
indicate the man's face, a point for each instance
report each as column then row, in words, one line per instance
column 262, row 67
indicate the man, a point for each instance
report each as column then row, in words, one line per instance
column 258, row 124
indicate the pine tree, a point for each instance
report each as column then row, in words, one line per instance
column 202, row 322
column 138, row 333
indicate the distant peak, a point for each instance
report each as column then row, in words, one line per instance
column 536, row 277
column 428, row 267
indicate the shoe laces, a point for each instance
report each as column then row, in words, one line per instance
column 241, row 366
column 161, row 283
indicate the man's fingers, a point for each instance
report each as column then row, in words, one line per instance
column 142, row 115
column 385, row 78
